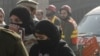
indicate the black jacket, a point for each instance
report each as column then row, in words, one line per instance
column 61, row 49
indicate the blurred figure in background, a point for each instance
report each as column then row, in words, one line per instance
column 2, row 15
column 21, row 19
column 31, row 5
column 69, row 27
column 50, row 14
column 40, row 15
column 11, row 44
column 49, row 41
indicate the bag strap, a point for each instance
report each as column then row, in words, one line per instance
column 53, row 20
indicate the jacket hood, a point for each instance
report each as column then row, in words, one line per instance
column 49, row 29
column 24, row 15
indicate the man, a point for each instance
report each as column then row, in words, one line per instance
column 31, row 5
column 50, row 14
column 11, row 44
column 49, row 44
column 22, row 23
column 40, row 15
column 2, row 15
column 69, row 27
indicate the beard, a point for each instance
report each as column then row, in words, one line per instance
column 65, row 18
column 50, row 14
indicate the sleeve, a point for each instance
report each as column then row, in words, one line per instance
column 67, row 51
column 20, row 49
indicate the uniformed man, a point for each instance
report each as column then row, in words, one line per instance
column 69, row 27
column 50, row 14
column 11, row 44
column 31, row 6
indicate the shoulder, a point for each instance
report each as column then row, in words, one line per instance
column 7, row 32
column 73, row 22
column 34, row 49
column 35, row 46
column 57, row 18
column 63, row 43
column 65, row 49
column 57, row 21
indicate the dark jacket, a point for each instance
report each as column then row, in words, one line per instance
column 11, row 44
column 61, row 49
column 52, row 46
column 69, row 28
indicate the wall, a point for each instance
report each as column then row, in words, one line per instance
column 43, row 4
column 7, row 5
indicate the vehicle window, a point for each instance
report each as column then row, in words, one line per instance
column 90, row 24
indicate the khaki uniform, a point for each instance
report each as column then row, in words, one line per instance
column 11, row 44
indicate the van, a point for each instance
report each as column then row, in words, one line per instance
column 89, row 33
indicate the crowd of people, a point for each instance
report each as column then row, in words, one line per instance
column 31, row 33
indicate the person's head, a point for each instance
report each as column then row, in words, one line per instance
column 39, row 14
column 31, row 5
column 2, row 15
column 65, row 12
column 50, row 10
column 21, row 16
column 47, row 33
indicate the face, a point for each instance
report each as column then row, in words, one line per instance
column 31, row 10
column 41, row 36
column 1, row 17
column 63, row 14
column 49, row 13
column 39, row 15
column 15, row 19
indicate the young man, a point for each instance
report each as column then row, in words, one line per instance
column 69, row 27
column 50, row 14
column 22, row 23
column 49, row 43
column 40, row 15
column 11, row 44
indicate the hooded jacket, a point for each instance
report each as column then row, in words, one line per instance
column 27, row 23
column 53, row 46
column 26, row 18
